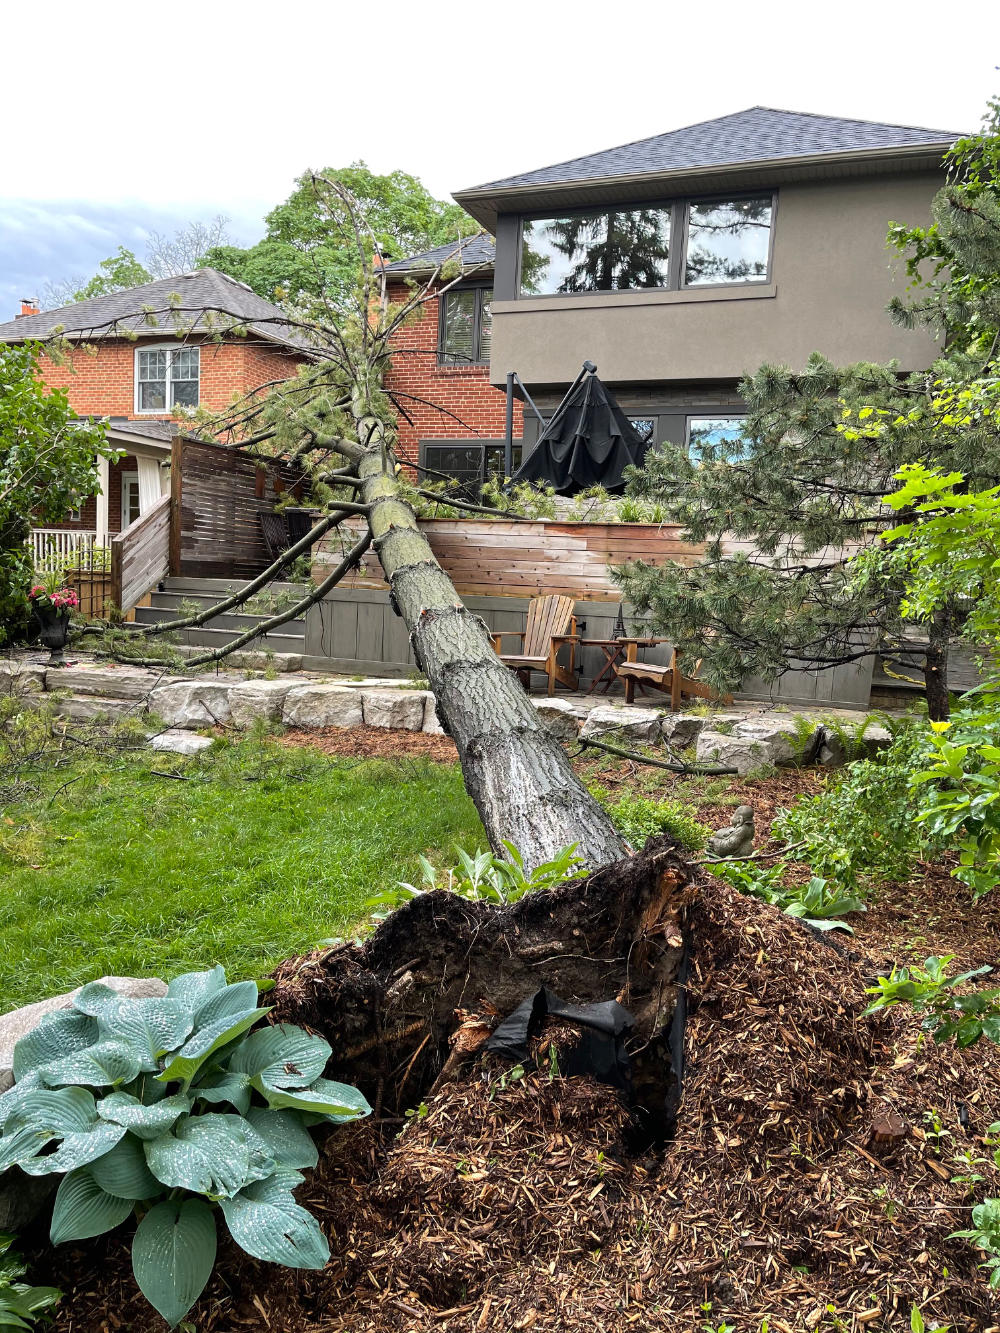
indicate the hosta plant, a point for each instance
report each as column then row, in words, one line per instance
column 20, row 1305
column 174, row 1109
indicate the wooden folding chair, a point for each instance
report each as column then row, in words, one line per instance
column 544, row 634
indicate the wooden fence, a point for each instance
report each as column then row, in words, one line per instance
column 505, row 559
column 218, row 496
column 140, row 556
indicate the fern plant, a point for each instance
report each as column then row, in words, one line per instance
column 172, row 1108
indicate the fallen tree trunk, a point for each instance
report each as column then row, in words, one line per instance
column 390, row 1006
column 515, row 770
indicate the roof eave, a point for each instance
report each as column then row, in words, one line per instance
column 485, row 202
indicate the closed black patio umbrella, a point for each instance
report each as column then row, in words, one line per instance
column 588, row 442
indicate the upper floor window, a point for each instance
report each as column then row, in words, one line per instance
column 166, row 377
column 716, row 439
column 466, row 321
column 596, row 252
column 645, row 428
column 728, row 242
column 695, row 243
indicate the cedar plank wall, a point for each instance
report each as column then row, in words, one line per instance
column 504, row 559
column 216, row 529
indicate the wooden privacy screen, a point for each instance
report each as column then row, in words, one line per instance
column 218, row 495
column 140, row 555
column 504, row 559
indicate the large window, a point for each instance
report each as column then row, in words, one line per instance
column 683, row 243
column 715, row 439
column 728, row 242
column 466, row 321
column 470, row 463
column 596, row 252
column 166, row 377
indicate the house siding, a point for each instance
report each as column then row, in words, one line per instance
column 449, row 392
column 831, row 279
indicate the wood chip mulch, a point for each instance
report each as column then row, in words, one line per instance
column 809, row 1182
column 374, row 743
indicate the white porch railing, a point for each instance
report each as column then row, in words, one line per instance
column 53, row 548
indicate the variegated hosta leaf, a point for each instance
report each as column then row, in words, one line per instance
column 230, row 1002
column 82, row 1209
column 123, row 1171
column 57, row 1035
column 183, row 1066
column 335, row 1101
column 222, row 1086
column 214, row 1155
column 192, row 989
column 102, row 1065
column 265, row 1220
column 288, row 1141
column 145, row 1122
column 152, row 1026
column 173, row 1254
column 283, row 1056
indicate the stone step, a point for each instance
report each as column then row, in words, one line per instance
column 97, row 708
column 110, row 682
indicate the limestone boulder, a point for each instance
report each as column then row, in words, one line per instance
column 253, row 699
column 400, row 709
column 744, row 753
column 19, row 1022
column 18, row 679
column 176, row 741
column 94, row 708
column 640, row 724
column 778, row 736
column 311, row 706
column 682, row 729
column 192, row 704
column 122, row 682
column 432, row 724
column 560, row 717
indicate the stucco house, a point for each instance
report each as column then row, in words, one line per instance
column 133, row 358
column 678, row 264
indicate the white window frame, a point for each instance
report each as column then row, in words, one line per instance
column 170, row 349
column 127, row 478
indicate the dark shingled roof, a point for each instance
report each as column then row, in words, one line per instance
column 759, row 134
column 201, row 293
column 474, row 252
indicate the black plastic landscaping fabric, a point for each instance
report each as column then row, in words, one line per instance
column 600, row 1051
column 589, row 442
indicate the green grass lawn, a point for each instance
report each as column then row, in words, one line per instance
column 258, row 854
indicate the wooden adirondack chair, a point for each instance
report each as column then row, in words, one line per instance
column 544, row 634
column 665, row 678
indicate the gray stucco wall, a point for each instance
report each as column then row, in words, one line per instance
column 832, row 277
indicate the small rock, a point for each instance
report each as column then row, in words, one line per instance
column 399, row 709
column 559, row 716
column 636, row 723
column 252, row 699
column 322, row 706
column 180, row 742
column 191, row 704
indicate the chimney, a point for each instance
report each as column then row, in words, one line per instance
column 29, row 306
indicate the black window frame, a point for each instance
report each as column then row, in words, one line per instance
column 487, row 448
column 680, row 211
column 443, row 357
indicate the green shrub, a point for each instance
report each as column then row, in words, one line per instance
column 20, row 1305
column 640, row 817
column 167, row 1107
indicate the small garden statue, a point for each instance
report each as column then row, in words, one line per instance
column 52, row 606
column 737, row 838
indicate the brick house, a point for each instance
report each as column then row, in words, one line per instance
column 134, row 368
column 450, row 418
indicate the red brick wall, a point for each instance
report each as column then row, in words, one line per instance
column 102, row 382
column 462, row 390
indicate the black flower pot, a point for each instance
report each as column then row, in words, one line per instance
column 53, row 630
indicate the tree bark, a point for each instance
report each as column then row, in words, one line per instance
column 515, row 770
column 936, row 669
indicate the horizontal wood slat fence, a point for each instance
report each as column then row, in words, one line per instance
column 218, row 495
column 503, row 559
column 140, row 556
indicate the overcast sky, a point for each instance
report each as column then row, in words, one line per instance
column 119, row 118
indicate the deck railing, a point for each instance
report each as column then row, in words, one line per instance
column 52, row 549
